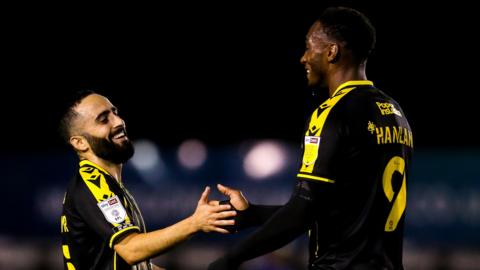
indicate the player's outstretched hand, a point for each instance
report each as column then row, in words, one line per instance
column 209, row 217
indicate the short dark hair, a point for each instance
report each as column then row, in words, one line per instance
column 69, row 113
column 350, row 27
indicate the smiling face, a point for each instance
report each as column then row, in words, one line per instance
column 317, row 56
column 99, row 129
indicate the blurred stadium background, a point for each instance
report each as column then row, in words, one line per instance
column 219, row 96
column 443, row 207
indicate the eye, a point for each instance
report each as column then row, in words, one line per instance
column 103, row 120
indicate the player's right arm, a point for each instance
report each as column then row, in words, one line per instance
column 137, row 247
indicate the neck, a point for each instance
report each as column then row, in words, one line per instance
column 342, row 75
column 113, row 169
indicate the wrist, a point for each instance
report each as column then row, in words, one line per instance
column 193, row 226
column 243, row 219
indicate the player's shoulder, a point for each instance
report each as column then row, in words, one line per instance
column 366, row 99
column 364, row 93
column 77, row 183
column 75, row 192
column 88, row 172
column 84, row 174
column 358, row 101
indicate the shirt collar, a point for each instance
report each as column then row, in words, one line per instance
column 89, row 163
column 352, row 83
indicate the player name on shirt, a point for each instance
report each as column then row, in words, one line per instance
column 391, row 134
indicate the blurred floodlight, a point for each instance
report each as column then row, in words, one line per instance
column 264, row 159
column 148, row 162
column 146, row 155
column 192, row 154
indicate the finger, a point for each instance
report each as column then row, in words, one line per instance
column 225, row 190
column 204, row 197
column 221, row 208
column 220, row 230
column 225, row 222
column 225, row 214
column 214, row 203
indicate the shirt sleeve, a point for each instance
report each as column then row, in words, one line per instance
column 287, row 223
column 102, row 210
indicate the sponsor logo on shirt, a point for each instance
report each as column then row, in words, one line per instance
column 113, row 210
column 388, row 108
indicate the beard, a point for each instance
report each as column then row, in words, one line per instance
column 108, row 150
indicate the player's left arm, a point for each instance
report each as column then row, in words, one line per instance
column 248, row 214
column 289, row 222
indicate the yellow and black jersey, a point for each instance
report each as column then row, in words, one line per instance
column 97, row 213
column 357, row 147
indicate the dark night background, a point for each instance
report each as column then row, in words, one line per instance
column 227, row 74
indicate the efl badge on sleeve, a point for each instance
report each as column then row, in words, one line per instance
column 113, row 210
column 311, row 153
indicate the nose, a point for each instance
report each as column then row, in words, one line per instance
column 303, row 59
column 117, row 121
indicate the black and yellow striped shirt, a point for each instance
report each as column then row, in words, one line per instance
column 357, row 149
column 97, row 213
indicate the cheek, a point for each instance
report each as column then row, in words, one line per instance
column 317, row 67
column 319, row 63
column 99, row 131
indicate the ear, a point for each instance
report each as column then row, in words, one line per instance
column 79, row 143
column 333, row 53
